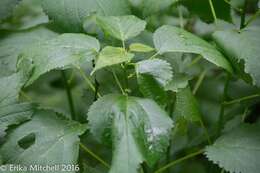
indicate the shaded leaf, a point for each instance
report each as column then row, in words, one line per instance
column 186, row 107
column 70, row 15
column 7, row 7
column 56, row 141
column 139, row 129
column 238, row 150
column 173, row 39
column 242, row 46
column 11, row 112
column 178, row 82
column 12, row 44
column 121, row 27
column 111, row 56
column 64, row 51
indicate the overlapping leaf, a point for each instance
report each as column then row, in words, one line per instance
column 11, row 112
column 64, row 51
column 12, row 44
column 173, row 39
column 178, row 82
column 121, row 27
column 238, row 150
column 70, row 15
column 242, row 46
column 53, row 141
column 139, row 129
column 111, row 56
column 138, row 47
column 6, row 8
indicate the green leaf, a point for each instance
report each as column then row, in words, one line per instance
column 111, row 56
column 179, row 81
column 238, row 150
column 53, row 141
column 150, row 88
column 242, row 46
column 139, row 129
column 153, row 6
column 27, row 14
column 159, row 69
column 121, row 27
column 173, row 39
column 186, row 107
column 70, row 15
column 64, row 51
column 11, row 112
column 138, row 47
column 7, row 7
column 12, row 44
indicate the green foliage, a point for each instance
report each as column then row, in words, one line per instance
column 139, row 129
column 67, row 50
column 111, row 56
column 237, row 150
column 156, row 82
column 242, row 46
column 47, row 132
column 122, row 28
column 70, row 15
column 172, row 39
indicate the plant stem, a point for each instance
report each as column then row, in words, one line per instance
column 69, row 96
column 251, row 19
column 199, row 82
column 243, row 16
column 87, row 150
column 235, row 8
column 88, row 82
column 241, row 99
column 213, row 11
column 118, row 83
column 180, row 17
column 206, row 132
column 179, row 161
column 222, row 108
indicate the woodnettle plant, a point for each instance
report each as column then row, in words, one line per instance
column 129, row 86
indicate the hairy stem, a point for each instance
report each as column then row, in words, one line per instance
column 222, row 108
column 118, row 83
column 199, row 82
column 213, row 11
column 69, row 96
column 179, row 161
column 239, row 100
column 87, row 150
column 243, row 16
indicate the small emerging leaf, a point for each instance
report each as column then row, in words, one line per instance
column 138, row 47
column 111, row 56
column 179, row 81
column 121, row 27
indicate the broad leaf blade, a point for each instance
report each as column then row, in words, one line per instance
column 178, row 82
column 64, row 51
column 186, row 107
column 139, row 129
column 242, row 45
column 56, row 141
column 173, row 39
column 121, row 27
column 111, row 56
column 12, row 44
column 237, row 151
column 11, row 112
column 70, row 15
